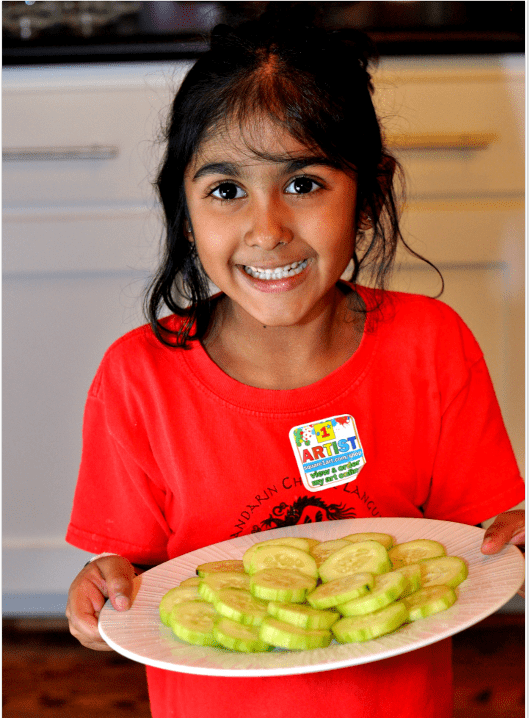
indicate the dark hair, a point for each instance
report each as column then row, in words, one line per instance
column 315, row 83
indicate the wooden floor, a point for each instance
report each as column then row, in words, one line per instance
column 47, row 674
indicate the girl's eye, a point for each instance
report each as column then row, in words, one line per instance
column 227, row 191
column 302, row 185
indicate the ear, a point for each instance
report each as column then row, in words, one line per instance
column 188, row 229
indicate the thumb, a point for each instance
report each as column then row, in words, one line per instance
column 508, row 527
column 118, row 574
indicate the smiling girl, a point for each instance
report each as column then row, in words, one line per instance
column 275, row 181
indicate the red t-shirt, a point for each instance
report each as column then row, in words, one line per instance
column 177, row 455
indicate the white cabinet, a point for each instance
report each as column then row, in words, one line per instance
column 80, row 237
column 457, row 125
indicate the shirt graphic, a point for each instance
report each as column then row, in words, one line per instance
column 283, row 503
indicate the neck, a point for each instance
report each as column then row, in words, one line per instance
column 284, row 357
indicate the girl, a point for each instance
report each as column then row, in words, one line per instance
column 274, row 179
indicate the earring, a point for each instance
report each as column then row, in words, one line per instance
column 365, row 223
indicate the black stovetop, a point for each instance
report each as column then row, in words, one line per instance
column 145, row 31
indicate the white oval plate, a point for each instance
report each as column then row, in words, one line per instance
column 139, row 634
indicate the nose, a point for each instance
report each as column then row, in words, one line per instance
column 268, row 225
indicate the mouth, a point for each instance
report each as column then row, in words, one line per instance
column 289, row 270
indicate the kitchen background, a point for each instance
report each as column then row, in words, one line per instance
column 86, row 86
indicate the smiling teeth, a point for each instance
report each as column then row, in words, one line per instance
column 290, row 270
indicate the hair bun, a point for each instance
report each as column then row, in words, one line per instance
column 295, row 27
column 223, row 35
column 289, row 16
column 358, row 43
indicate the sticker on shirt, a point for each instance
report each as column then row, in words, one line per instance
column 328, row 452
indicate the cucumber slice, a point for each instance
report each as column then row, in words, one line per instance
column 193, row 622
column 387, row 588
column 302, row 616
column 173, row 597
column 240, row 606
column 443, row 571
column 278, row 556
column 294, row 541
column 283, row 635
column 365, row 556
column 324, row 550
column 237, row 637
column 412, row 573
column 214, row 582
column 312, row 542
column 215, row 566
column 363, row 628
column 414, row 551
column 340, row 590
column 193, row 581
column 281, row 584
column 428, row 601
column 385, row 539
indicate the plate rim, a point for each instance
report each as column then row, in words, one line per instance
column 108, row 614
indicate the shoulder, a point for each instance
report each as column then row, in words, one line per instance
column 424, row 312
column 422, row 324
column 135, row 355
column 405, row 307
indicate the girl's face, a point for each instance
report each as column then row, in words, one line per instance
column 274, row 236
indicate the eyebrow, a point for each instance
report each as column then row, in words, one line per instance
column 291, row 165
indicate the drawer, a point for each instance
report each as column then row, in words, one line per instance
column 77, row 137
column 457, row 126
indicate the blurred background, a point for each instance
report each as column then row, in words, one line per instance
column 86, row 88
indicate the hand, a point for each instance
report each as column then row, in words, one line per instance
column 108, row 577
column 508, row 527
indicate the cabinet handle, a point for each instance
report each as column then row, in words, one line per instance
column 449, row 141
column 91, row 152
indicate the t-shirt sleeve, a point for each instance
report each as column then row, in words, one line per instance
column 475, row 474
column 118, row 506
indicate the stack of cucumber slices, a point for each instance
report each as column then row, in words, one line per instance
column 299, row 593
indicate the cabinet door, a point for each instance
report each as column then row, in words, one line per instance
column 80, row 235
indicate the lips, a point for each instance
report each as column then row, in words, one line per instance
column 288, row 270
column 276, row 280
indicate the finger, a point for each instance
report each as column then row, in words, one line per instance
column 506, row 528
column 88, row 635
column 84, row 605
column 117, row 576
